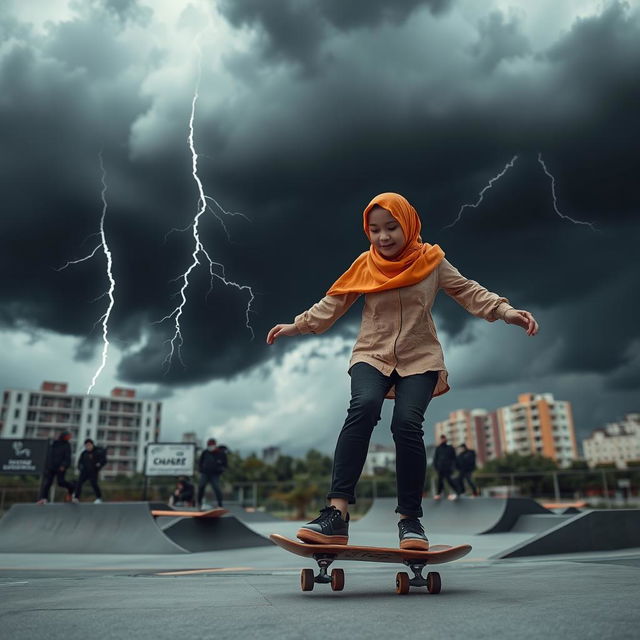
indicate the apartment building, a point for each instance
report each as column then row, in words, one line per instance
column 617, row 442
column 379, row 457
column 477, row 428
column 121, row 422
column 539, row 424
column 536, row 423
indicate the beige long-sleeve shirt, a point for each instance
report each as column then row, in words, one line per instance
column 397, row 330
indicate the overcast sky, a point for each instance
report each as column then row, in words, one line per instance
column 305, row 110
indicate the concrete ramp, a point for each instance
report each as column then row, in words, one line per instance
column 250, row 516
column 213, row 534
column 466, row 515
column 116, row 527
column 605, row 530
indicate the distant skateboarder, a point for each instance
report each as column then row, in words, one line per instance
column 444, row 462
column 213, row 462
column 397, row 354
column 183, row 494
column 58, row 461
column 91, row 460
column 466, row 463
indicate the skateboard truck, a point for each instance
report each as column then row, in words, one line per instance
column 324, row 560
column 403, row 582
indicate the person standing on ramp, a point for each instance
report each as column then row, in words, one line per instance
column 397, row 355
column 91, row 460
column 466, row 463
column 444, row 462
column 213, row 462
column 58, row 461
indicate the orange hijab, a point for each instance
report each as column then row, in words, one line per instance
column 372, row 272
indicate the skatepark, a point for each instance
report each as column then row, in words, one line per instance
column 118, row 570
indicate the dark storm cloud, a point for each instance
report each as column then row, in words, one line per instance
column 499, row 40
column 295, row 29
column 427, row 117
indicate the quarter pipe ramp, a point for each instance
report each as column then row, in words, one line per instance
column 466, row 516
column 117, row 527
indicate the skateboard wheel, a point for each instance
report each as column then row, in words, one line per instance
column 434, row 584
column 337, row 579
column 402, row 583
column 307, row 580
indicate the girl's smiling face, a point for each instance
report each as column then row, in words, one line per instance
column 385, row 233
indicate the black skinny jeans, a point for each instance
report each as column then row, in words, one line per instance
column 214, row 480
column 93, row 480
column 58, row 475
column 368, row 389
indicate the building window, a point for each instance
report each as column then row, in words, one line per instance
column 14, row 429
column 148, row 422
column 89, row 418
column 19, row 398
column 16, row 413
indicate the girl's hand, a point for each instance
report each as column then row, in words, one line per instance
column 282, row 330
column 523, row 319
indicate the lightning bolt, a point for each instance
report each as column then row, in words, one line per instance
column 480, row 198
column 112, row 283
column 555, row 200
column 177, row 340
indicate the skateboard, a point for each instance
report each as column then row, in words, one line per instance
column 212, row 513
column 325, row 554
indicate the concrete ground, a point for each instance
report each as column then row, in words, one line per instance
column 255, row 592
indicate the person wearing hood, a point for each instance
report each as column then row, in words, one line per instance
column 58, row 461
column 213, row 462
column 397, row 354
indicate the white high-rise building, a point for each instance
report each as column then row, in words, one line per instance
column 121, row 423
column 618, row 442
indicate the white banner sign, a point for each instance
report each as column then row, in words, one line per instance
column 170, row 459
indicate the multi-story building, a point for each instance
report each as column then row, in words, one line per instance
column 477, row 428
column 270, row 455
column 534, row 424
column 538, row 424
column 379, row 457
column 121, row 423
column 617, row 442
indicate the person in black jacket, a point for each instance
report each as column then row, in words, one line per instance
column 183, row 495
column 213, row 462
column 91, row 460
column 444, row 462
column 58, row 461
column 466, row 463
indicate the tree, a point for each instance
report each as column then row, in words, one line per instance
column 301, row 496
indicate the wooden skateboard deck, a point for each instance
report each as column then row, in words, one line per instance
column 212, row 513
column 437, row 554
column 325, row 554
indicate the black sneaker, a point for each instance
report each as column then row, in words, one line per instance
column 412, row 535
column 328, row 528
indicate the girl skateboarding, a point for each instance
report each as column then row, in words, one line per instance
column 396, row 355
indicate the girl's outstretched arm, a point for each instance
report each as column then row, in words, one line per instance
column 281, row 330
column 479, row 301
column 320, row 317
column 523, row 319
